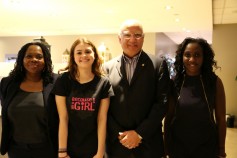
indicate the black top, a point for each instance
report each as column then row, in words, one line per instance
column 27, row 110
column 193, row 123
column 9, row 87
column 83, row 102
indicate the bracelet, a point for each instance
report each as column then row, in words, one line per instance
column 62, row 150
column 63, row 156
column 139, row 136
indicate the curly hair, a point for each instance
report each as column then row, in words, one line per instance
column 72, row 66
column 208, row 60
column 19, row 72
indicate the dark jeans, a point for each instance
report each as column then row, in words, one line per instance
column 39, row 150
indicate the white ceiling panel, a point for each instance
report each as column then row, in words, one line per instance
column 71, row 17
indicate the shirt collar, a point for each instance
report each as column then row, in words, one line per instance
column 135, row 58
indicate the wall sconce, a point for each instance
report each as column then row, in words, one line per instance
column 65, row 56
column 104, row 52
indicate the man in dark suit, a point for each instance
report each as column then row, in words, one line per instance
column 140, row 83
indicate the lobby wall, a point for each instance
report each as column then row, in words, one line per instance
column 225, row 46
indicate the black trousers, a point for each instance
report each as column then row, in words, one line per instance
column 39, row 150
column 113, row 156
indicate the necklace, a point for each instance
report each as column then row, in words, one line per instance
column 205, row 95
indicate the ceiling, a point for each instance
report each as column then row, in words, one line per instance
column 72, row 17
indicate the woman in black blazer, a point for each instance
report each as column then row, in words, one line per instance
column 29, row 126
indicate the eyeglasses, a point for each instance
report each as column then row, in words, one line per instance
column 135, row 35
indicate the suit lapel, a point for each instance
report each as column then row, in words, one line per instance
column 141, row 64
column 11, row 91
column 46, row 91
column 121, row 69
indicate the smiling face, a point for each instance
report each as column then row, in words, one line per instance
column 131, row 38
column 193, row 59
column 34, row 60
column 84, row 55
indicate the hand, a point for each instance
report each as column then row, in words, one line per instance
column 129, row 139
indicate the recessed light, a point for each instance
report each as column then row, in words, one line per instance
column 168, row 7
column 177, row 19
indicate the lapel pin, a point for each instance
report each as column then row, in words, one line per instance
column 143, row 64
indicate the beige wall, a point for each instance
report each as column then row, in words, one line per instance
column 225, row 47
column 11, row 45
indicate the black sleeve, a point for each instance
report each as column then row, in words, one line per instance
column 62, row 85
column 107, row 89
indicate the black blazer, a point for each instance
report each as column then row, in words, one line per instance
column 8, row 89
column 140, row 106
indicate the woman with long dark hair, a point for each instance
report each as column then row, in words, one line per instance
column 27, row 103
column 195, row 124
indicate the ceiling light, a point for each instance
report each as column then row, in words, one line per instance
column 168, row 7
column 177, row 19
column 10, row 3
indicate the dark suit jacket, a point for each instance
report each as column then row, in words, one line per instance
column 140, row 106
column 8, row 89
